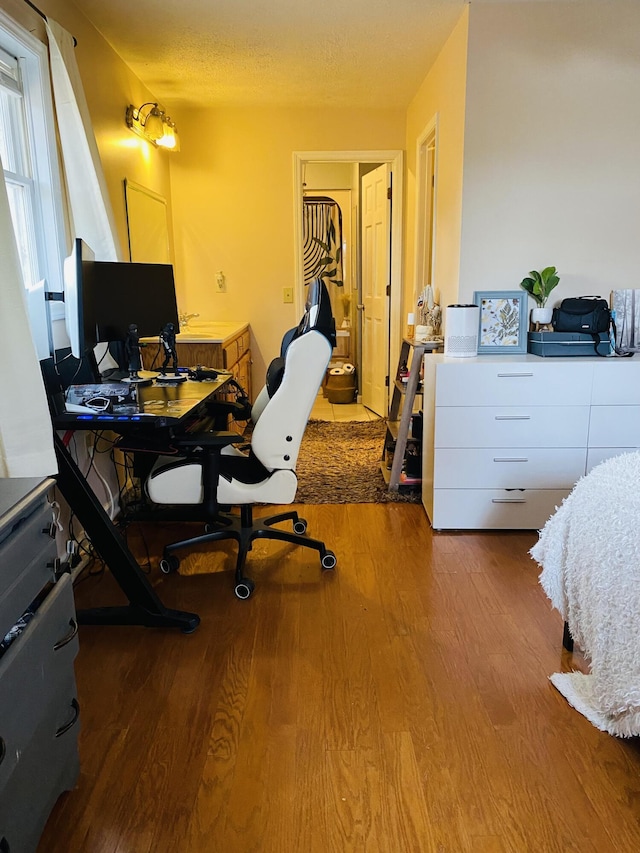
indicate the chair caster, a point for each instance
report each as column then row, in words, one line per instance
column 300, row 526
column 244, row 588
column 169, row 564
column 329, row 560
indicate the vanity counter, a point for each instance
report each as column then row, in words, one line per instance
column 212, row 333
column 223, row 346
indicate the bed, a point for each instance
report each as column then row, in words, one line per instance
column 589, row 551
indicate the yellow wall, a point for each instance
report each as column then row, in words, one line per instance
column 442, row 93
column 551, row 166
column 233, row 206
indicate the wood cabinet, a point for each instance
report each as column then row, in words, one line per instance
column 38, row 705
column 506, row 438
column 223, row 346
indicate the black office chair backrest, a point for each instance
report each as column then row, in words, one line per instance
column 318, row 317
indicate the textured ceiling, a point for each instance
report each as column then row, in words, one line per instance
column 341, row 53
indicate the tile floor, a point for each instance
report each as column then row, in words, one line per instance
column 323, row 410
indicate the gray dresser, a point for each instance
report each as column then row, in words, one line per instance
column 38, row 643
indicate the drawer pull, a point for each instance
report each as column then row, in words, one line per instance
column 508, row 501
column 3, row 751
column 514, row 375
column 510, row 459
column 76, row 713
column 513, row 417
column 67, row 637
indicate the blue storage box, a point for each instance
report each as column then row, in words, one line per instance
column 566, row 343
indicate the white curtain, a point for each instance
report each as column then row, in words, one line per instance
column 26, row 437
column 91, row 213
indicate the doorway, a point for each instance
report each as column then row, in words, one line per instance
column 304, row 163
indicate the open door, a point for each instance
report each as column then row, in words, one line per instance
column 375, row 244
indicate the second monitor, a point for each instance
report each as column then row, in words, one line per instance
column 126, row 293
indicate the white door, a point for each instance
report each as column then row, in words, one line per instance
column 376, row 269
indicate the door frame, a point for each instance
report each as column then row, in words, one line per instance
column 395, row 157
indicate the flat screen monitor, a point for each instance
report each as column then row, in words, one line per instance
column 131, row 293
column 79, row 299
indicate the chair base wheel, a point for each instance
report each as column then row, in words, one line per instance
column 169, row 564
column 244, row 588
column 300, row 526
column 329, row 560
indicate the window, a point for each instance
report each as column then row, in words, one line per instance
column 16, row 160
column 27, row 148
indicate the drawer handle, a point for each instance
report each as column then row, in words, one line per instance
column 508, row 501
column 3, row 752
column 513, row 417
column 510, row 459
column 67, row 637
column 516, row 375
column 76, row 713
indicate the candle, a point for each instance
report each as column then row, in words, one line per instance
column 411, row 324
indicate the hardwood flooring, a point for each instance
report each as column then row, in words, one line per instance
column 398, row 705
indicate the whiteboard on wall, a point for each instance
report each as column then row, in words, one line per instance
column 146, row 224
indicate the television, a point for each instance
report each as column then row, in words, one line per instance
column 133, row 293
column 79, row 299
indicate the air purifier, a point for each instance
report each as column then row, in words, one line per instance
column 461, row 330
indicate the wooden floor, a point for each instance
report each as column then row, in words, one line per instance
column 399, row 704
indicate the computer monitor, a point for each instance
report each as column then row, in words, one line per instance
column 79, row 299
column 132, row 293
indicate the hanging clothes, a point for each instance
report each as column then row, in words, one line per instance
column 322, row 241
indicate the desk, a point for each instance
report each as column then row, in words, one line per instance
column 164, row 408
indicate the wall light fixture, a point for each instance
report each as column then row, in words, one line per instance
column 150, row 121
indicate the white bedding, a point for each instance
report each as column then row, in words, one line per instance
column 589, row 551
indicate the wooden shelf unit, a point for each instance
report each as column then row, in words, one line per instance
column 401, row 410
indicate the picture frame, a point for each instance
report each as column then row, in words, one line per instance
column 503, row 321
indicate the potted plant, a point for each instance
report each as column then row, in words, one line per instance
column 539, row 285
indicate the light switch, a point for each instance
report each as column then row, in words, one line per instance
column 287, row 294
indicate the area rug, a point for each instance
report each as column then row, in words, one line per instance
column 339, row 462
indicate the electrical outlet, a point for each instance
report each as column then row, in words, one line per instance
column 221, row 283
column 287, row 294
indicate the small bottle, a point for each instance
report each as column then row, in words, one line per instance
column 403, row 372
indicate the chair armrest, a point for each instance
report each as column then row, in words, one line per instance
column 240, row 411
column 208, row 439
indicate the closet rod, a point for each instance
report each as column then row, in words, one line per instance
column 319, row 199
column 44, row 17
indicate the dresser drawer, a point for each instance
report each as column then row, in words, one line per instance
column 513, row 384
column 48, row 766
column 26, row 564
column 494, row 509
column 614, row 426
column 33, row 667
column 616, row 382
column 509, row 468
column 596, row 455
column 509, row 426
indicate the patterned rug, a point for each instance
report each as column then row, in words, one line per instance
column 340, row 463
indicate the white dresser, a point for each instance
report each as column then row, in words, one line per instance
column 507, row 437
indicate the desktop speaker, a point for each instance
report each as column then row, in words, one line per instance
column 461, row 330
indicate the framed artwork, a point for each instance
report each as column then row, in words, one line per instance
column 503, row 321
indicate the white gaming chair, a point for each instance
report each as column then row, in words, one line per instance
column 223, row 476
